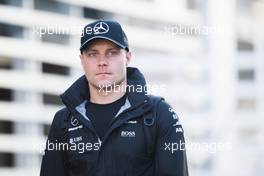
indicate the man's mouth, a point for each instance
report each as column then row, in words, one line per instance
column 104, row 73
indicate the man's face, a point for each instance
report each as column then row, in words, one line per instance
column 104, row 63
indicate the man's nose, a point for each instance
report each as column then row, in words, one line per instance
column 102, row 60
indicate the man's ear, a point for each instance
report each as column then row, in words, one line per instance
column 82, row 59
column 128, row 57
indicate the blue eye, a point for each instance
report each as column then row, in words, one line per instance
column 91, row 54
column 113, row 53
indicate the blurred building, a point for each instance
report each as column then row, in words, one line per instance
column 208, row 55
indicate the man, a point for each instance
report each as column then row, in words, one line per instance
column 110, row 127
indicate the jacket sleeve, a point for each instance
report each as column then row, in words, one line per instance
column 170, row 154
column 53, row 162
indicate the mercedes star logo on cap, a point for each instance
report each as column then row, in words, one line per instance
column 100, row 28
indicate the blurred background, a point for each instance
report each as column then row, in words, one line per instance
column 208, row 54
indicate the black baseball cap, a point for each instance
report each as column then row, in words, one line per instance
column 104, row 29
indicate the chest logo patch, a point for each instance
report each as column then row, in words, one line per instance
column 128, row 134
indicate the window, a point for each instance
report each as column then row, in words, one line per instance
column 96, row 14
column 245, row 5
column 6, row 127
column 6, row 94
column 191, row 4
column 52, row 6
column 199, row 5
column 5, row 63
column 246, row 75
column 246, row 103
column 46, row 128
column 8, row 63
column 50, row 99
column 248, row 135
column 17, row 3
column 245, row 46
column 6, row 159
column 55, row 69
column 54, row 37
column 9, row 30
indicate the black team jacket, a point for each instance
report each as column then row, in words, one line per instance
column 145, row 137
